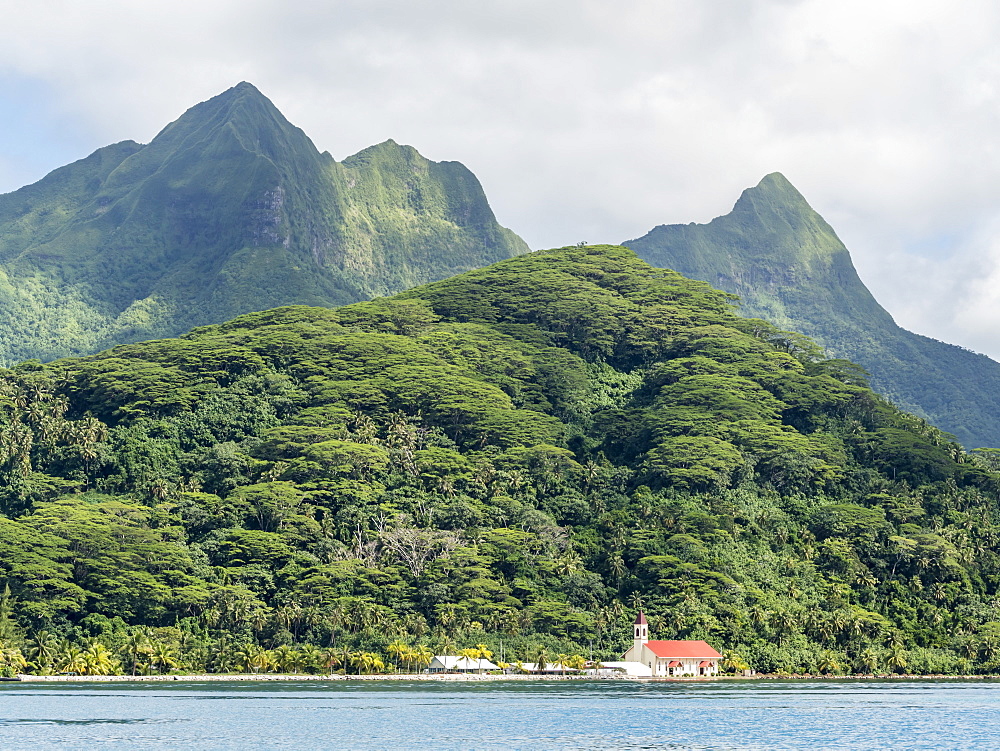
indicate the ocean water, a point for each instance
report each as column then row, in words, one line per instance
column 843, row 714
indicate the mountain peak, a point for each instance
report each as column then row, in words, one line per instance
column 775, row 196
column 774, row 251
column 230, row 208
column 240, row 119
column 246, row 86
column 788, row 266
column 775, row 180
column 242, row 94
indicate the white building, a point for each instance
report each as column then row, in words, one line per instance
column 454, row 664
column 548, row 668
column 631, row 669
column 672, row 658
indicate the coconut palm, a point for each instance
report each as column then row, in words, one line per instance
column 561, row 662
column 472, row 654
column 733, row 663
column 869, row 660
column 331, row 659
column 407, row 656
column 828, row 663
column 69, row 658
column 422, row 655
column 99, row 660
column 136, row 645
column 366, row 663
column 541, row 658
column 42, row 648
column 897, row 661
column 310, row 658
column 285, row 658
column 398, row 649
column 163, row 657
column 246, row 658
column 11, row 660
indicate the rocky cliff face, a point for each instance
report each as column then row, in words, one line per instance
column 229, row 209
column 789, row 267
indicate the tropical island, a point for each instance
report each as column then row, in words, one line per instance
column 510, row 461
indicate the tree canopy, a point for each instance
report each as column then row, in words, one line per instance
column 521, row 454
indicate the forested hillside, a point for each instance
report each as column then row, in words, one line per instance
column 789, row 267
column 522, row 455
column 230, row 209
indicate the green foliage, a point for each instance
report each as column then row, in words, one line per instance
column 788, row 266
column 488, row 459
column 229, row 209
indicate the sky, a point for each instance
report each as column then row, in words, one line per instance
column 585, row 120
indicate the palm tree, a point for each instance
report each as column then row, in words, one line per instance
column 733, row 663
column 398, row 650
column 541, row 658
column 136, row 644
column 99, row 660
column 42, row 651
column 284, row 658
column 484, row 654
column 246, row 656
column 11, row 660
column 422, row 655
column 828, row 663
column 70, row 658
column 561, row 662
column 897, row 658
column 331, row 659
column 311, row 657
column 163, row 657
column 367, row 662
column 471, row 654
column 868, row 660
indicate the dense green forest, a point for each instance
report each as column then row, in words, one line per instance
column 230, row 209
column 515, row 458
column 789, row 267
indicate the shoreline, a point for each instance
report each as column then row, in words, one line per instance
column 457, row 678
column 299, row 677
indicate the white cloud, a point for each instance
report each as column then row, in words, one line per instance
column 590, row 119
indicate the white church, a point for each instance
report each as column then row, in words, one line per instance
column 673, row 658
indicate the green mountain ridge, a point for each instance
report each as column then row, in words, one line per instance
column 228, row 209
column 788, row 266
column 522, row 454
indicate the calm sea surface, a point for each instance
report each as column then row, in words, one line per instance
column 544, row 715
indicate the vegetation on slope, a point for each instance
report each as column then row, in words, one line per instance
column 518, row 456
column 789, row 267
column 229, row 209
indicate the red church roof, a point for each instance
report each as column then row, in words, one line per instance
column 686, row 649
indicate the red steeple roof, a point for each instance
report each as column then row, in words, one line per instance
column 678, row 649
column 640, row 620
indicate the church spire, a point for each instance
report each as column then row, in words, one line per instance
column 641, row 632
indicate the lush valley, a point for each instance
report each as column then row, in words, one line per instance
column 519, row 455
column 789, row 267
column 230, row 209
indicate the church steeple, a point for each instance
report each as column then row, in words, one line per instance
column 640, row 633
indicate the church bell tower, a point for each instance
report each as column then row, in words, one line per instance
column 640, row 635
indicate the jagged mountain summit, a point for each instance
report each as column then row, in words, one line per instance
column 789, row 267
column 229, row 209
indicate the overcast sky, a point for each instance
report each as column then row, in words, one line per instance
column 584, row 119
